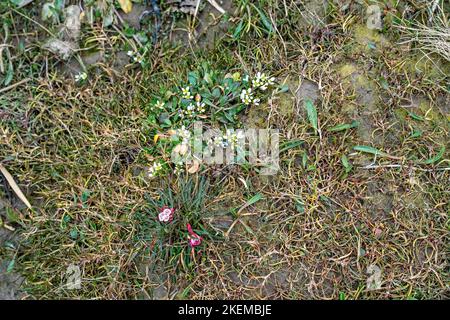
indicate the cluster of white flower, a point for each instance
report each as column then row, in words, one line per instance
column 229, row 139
column 192, row 110
column 154, row 169
column 221, row 141
column 262, row 81
column 179, row 168
column 236, row 137
column 186, row 93
column 248, row 98
column 136, row 57
column 184, row 134
column 80, row 77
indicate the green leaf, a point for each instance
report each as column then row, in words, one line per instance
column 11, row 215
column 207, row 78
column 416, row 117
column 73, row 233
column 265, row 21
column 304, row 160
column 254, row 199
column 10, row 266
column 21, row 3
column 283, row 88
column 238, row 30
column 348, row 167
column 216, row 93
column 192, row 78
column 129, row 32
column 142, row 37
column 345, row 126
column 166, row 123
column 108, row 17
column 229, row 116
column 85, row 197
column 164, row 120
column 290, row 144
column 299, row 206
column 47, row 11
column 312, row 114
column 59, row 4
column 9, row 75
column 371, row 150
column 384, row 83
column 436, row 158
column 416, row 133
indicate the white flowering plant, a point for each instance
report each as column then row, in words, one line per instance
column 215, row 98
column 81, row 77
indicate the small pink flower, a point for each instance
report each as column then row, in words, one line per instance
column 166, row 214
column 194, row 239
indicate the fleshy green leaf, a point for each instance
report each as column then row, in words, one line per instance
column 312, row 114
column 371, row 150
column 265, row 21
column 436, row 158
column 290, row 144
column 344, row 126
column 10, row 266
column 348, row 167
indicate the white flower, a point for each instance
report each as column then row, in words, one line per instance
column 165, row 215
column 81, row 77
column 190, row 112
column 179, row 168
column 222, row 141
column 184, row 134
column 218, row 141
column 136, row 57
column 247, row 96
column 200, row 107
column 262, row 81
column 159, row 105
column 236, row 138
column 154, row 169
column 186, row 93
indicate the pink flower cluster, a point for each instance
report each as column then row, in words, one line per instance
column 166, row 215
column 194, row 239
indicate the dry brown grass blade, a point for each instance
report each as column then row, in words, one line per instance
column 217, row 6
column 14, row 85
column 14, row 186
